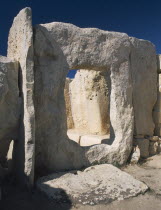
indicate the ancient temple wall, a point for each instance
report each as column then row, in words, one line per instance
column 130, row 64
column 10, row 104
column 90, row 102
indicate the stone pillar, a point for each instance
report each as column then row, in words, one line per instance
column 157, row 107
column 20, row 48
column 70, row 123
column 90, row 103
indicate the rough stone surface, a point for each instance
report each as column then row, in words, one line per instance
column 90, row 102
column 55, row 53
column 144, row 78
column 97, row 184
column 143, row 145
column 157, row 110
column 20, row 47
column 153, row 148
column 154, row 138
column 135, row 155
column 70, row 123
column 9, row 105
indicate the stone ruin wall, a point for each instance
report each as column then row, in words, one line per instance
column 36, row 116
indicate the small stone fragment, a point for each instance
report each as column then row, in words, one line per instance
column 135, row 156
column 153, row 148
column 153, row 138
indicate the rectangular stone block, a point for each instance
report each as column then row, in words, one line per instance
column 89, row 140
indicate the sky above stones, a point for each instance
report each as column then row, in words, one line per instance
column 138, row 18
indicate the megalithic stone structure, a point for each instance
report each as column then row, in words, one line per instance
column 20, row 48
column 131, row 68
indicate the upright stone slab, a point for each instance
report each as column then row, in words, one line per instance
column 9, row 105
column 90, row 102
column 70, row 123
column 20, row 47
column 157, row 110
column 144, row 79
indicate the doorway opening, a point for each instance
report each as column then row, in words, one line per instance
column 87, row 98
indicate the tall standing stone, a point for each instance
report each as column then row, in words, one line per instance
column 20, row 47
column 144, row 81
column 90, row 102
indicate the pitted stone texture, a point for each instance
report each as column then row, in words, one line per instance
column 157, row 110
column 20, row 47
column 58, row 48
column 90, row 102
column 70, row 123
column 135, row 155
column 97, row 184
column 9, row 104
column 144, row 77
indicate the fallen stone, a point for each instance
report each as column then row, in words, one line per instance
column 96, row 184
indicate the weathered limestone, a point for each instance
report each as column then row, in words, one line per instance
column 70, row 123
column 144, row 77
column 20, row 48
column 128, row 64
column 55, row 53
column 88, row 140
column 135, row 156
column 143, row 145
column 157, row 110
column 9, row 105
column 153, row 148
column 90, row 102
column 159, row 63
column 102, row 183
column 84, row 139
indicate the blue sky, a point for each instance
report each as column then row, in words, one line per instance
column 139, row 18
